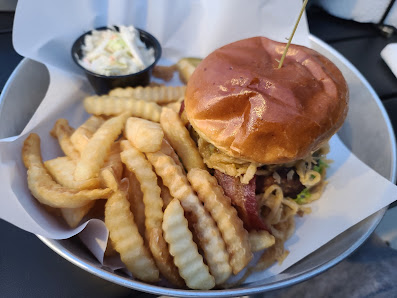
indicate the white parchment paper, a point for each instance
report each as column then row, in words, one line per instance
column 389, row 55
column 45, row 30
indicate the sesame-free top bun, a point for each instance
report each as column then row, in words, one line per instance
column 241, row 103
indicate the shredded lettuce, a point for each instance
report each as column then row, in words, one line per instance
column 320, row 166
column 303, row 196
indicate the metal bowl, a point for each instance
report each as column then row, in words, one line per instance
column 358, row 133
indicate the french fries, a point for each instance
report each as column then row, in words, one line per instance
column 204, row 226
column 137, row 163
column 158, row 94
column 95, row 152
column 168, row 150
column 81, row 135
column 45, row 189
column 62, row 131
column 164, row 72
column 165, row 193
column 186, row 257
column 162, row 222
column 62, row 169
column 259, row 240
column 73, row 216
column 145, row 135
column 111, row 106
column 230, row 225
column 135, row 197
column 113, row 160
column 125, row 235
column 186, row 67
column 179, row 138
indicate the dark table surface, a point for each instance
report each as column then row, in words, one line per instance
column 28, row 268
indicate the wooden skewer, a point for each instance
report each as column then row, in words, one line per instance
column 292, row 35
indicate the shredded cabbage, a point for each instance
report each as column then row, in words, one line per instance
column 111, row 52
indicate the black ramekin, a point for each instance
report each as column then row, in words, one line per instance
column 103, row 84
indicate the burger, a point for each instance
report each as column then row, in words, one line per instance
column 263, row 131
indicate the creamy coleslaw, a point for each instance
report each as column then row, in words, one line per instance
column 114, row 52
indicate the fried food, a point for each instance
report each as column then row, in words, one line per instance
column 205, row 228
column 137, row 163
column 45, row 189
column 158, row 94
column 111, row 106
column 113, row 160
column 164, row 72
column 83, row 133
column 125, row 236
column 165, row 193
column 73, row 216
column 186, row 67
column 186, row 256
column 135, row 197
column 145, row 135
column 175, row 106
column 227, row 220
column 167, row 149
column 259, row 240
column 62, row 169
column 179, row 138
column 97, row 149
column 62, row 131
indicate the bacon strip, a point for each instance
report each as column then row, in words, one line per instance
column 243, row 198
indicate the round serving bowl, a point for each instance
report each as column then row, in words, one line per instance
column 370, row 139
column 103, row 84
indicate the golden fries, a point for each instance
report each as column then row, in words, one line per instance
column 113, row 160
column 158, row 94
column 165, row 193
column 62, row 169
column 73, row 216
column 95, row 152
column 135, row 197
column 186, row 67
column 162, row 222
column 230, row 225
column 137, row 163
column 45, row 189
column 164, row 72
column 186, row 257
column 82, row 134
column 259, row 240
column 62, row 131
column 125, row 235
column 175, row 106
column 179, row 137
column 168, row 150
column 204, row 226
column 110, row 106
column 145, row 135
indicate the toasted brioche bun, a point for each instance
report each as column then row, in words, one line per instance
column 241, row 103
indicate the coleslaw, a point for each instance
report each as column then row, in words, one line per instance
column 115, row 52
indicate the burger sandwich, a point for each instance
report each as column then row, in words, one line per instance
column 263, row 131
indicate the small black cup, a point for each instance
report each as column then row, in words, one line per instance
column 103, row 84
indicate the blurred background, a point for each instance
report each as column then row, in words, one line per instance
column 358, row 29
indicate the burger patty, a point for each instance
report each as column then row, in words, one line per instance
column 291, row 187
